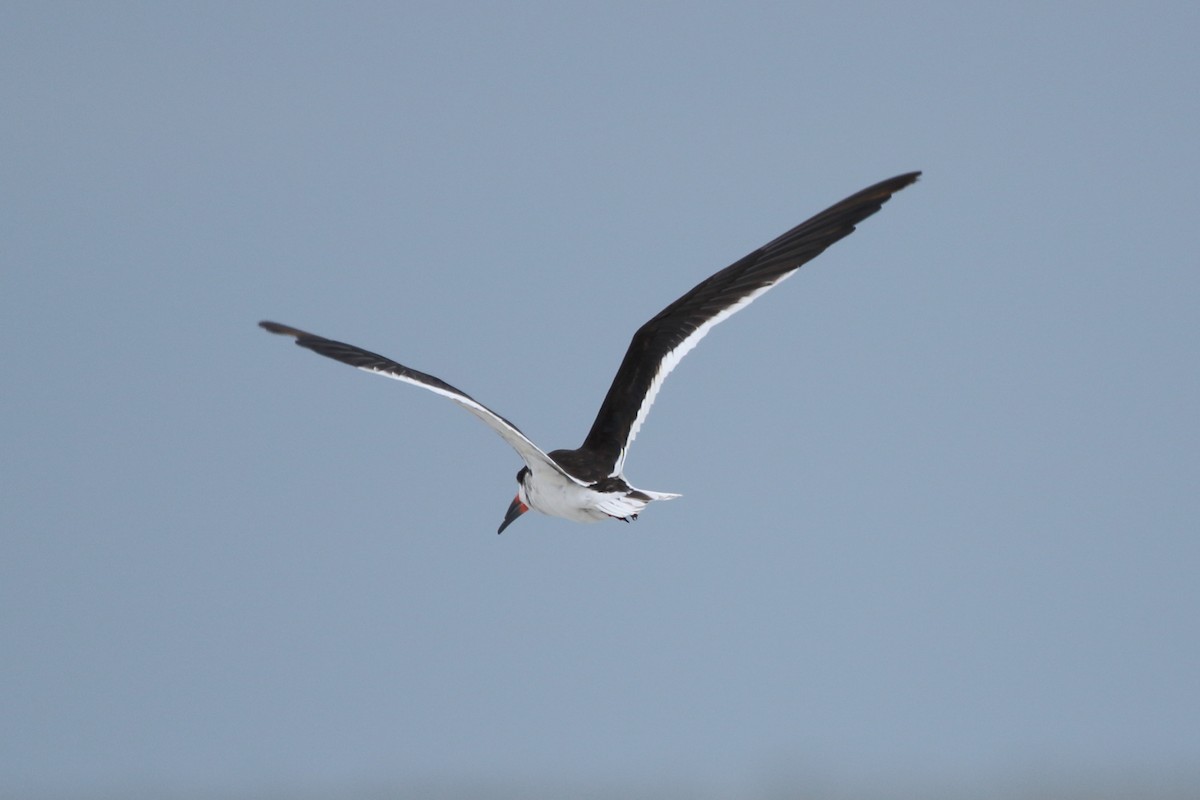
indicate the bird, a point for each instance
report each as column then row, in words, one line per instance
column 588, row 484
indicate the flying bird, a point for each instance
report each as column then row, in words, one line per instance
column 588, row 484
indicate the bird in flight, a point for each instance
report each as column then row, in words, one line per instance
column 588, row 484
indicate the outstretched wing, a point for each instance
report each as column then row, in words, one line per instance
column 660, row 344
column 372, row 362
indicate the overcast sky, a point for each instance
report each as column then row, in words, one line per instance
column 941, row 490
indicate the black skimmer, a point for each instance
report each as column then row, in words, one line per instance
column 588, row 484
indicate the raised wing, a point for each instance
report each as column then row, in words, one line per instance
column 660, row 344
column 372, row 362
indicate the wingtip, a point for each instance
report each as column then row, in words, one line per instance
column 904, row 179
column 884, row 190
column 282, row 330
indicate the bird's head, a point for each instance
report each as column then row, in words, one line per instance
column 519, row 504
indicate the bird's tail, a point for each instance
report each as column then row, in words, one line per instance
column 629, row 504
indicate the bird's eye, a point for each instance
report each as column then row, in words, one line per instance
column 521, row 475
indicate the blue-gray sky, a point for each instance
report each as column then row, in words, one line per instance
column 941, row 489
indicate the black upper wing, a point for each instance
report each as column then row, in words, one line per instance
column 659, row 344
column 380, row 365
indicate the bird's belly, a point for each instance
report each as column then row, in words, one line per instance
column 565, row 499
